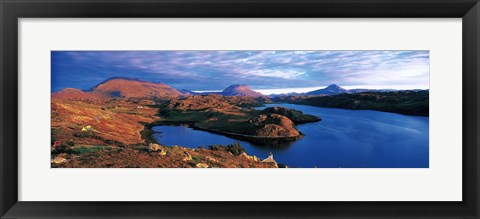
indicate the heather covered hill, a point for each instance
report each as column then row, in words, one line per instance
column 112, row 121
column 114, row 133
column 125, row 87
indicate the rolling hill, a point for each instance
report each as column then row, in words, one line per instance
column 124, row 87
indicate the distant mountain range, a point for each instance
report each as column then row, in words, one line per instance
column 135, row 88
column 330, row 90
column 333, row 89
column 232, row 90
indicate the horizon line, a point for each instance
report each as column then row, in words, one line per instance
column 308, row 89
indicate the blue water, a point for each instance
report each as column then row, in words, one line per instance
column 344, row 138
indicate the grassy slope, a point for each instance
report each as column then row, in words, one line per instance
column 119, row 137
column 141, row 157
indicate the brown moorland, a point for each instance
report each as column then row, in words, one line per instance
column 108, row 126
column 164, row 157
column 116, row 139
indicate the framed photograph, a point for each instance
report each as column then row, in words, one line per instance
column 255, row 109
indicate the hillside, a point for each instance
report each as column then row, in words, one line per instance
column 198, row 102
column 74, row 94
column 403, row 102
column 156, row 157
column 114, row 133
column 124, row 87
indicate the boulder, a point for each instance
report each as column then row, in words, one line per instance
column 59, row 160
column 211, row 159
column 202, row 165
column 153, row 147
column 254, row 158
column 187, row 157
column 163, row 152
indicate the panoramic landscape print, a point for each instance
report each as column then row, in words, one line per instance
column 239, row 109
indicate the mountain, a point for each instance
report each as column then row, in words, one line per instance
column 332, row 89
column 240, row 90
column 188, row 92
column 125, row 87
column 73, row 94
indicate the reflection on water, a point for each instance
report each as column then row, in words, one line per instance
column 344, row 138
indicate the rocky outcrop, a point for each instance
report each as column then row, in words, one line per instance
column 254, row 158
column 187, row 156
column 273, row 125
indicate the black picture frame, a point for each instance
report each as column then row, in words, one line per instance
column 12, row 10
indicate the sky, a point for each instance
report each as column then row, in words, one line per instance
column 264, row 71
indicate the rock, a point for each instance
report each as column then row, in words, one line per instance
column 153, row 147
column 163, row 152
column 211, row 159
column 58, row 160
column 243, row 154
column 202, row 165
column 269, row 159
column 187, row 157
column 254, row 158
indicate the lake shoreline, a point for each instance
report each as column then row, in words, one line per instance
column 249, row 138
column 345, row 138
column 344, row 108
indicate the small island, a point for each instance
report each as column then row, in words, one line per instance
column 224, row 115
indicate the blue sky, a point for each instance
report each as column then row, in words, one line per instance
column 261, row 70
